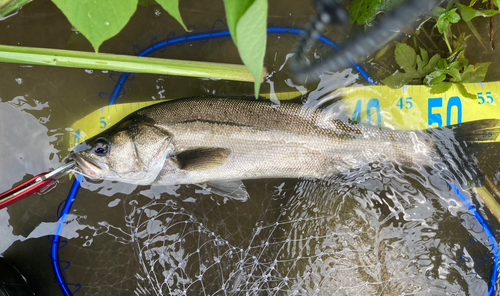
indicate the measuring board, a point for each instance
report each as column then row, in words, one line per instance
column 411, row 107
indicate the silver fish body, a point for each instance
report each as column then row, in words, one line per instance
column 209, row 139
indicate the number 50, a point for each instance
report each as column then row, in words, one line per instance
column 437, row 103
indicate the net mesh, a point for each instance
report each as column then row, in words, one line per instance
column 371, row 232
column 379, row 229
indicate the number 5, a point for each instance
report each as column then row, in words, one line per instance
column 488, row 96
column 409, row 104
column 435, row 117
column 480, row 96
column 103, row 123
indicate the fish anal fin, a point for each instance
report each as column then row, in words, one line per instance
column 200, row 159
column 233, row 189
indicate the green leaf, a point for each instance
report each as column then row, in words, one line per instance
column 431, row 66
column 388, row 5
column 397, row 80
column 464, row 92
column 442, row 64
column 363, row 11
column 469, row 13
column 172, row 7
column 441, row 87
column 425, row 55
column 405, row 56
column 452, row 16
column 97, row 20
column 235, row 9
column 442, row 24
column 476, row 75
column 247, row 22
column 453, row 72
column 434, row 77
column 420, row 64
column 466, row 75
column 438, row 11
column 455, row 65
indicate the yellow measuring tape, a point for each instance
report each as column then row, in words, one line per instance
column 409, row 108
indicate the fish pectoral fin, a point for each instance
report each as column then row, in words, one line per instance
column 200, row 159
column 234, row 189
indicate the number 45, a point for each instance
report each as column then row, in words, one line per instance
column 409, row 104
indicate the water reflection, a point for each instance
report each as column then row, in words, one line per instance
column 377, row 229
column 21, row 155
column 381, row 229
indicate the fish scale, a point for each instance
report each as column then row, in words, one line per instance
column 211, row 139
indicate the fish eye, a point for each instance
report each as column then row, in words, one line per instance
column 101, row 147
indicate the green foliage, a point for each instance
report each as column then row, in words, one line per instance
column 441, row 73
column 415, row 67
column 172, row 7
column 123, row 63
column 495, row 2
column 469, row 13
column 247, row 22
column 445, row 17
column 437, row 72
column 103, row 19
column 9, row 6
column 98, row 20
column 363, row 11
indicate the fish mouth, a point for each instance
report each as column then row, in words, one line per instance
column 87, row 167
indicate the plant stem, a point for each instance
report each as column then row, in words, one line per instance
column 6, row 7
column 446, row 34
column 492, row 27
column 124, row 63
column 432, row 41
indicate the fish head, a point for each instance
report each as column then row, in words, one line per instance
column 132, row 151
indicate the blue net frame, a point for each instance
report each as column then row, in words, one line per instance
column 203, row 37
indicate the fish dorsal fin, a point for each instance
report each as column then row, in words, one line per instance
column 234, row 189
column 200, row 159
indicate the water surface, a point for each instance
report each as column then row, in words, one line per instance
column 379, row 229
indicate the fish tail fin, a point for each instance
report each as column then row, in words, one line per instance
column 460, row 145
column 479, row 131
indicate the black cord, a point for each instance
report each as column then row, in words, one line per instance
column 360, row 46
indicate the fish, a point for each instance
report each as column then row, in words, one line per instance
column 220, row 141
